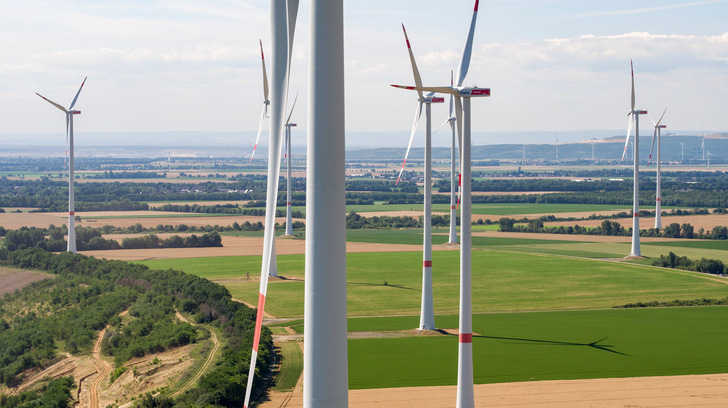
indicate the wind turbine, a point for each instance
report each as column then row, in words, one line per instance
column 69, row 139
column 557, row 146
column 682, row 152
column 658, row 195
column 634, row 115
column 427, row 311
column 462, row 94
column 289, row 216
column 266, row 102
column 283, row 23
column 702, row 147
column 708, row 154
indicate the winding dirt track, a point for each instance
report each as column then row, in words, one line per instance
column 102, row 367
column 208, row 361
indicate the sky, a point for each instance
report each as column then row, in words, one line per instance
column 194, row 66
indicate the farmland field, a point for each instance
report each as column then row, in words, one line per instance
column 551, row 345
column 384, row 284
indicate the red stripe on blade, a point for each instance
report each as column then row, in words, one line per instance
column 258, row 321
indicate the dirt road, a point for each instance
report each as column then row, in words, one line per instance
column 208, row 360
column 102, row 367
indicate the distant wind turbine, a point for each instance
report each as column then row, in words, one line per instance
column 283, row 22
column 266, row 102
column 289, row 215
column 658, row 195
column 708, row 154
column 557, row 146
column 427, row 311
column 634, row 115
column 69, row 139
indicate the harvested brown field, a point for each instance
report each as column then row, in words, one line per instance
column 12, row 279
column 697, row 221
column 245, row 246
column 692, row 391
column 567, row 237
column 227, row 202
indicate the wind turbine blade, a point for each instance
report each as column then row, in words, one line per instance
column 265, row 76
column 418, row 113
column 415, row 71
column 293, row 106
column 52, row 103
column 654, row 136
column 631, row 68
column 441, row 126
column 76, row 97
column 260, row 128
column 629, row 132
column 292, row 15
column 437, row 89
column 661, row 116
column 467, row 52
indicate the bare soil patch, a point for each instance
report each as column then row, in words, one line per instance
column 694, row 391
column 12, row 279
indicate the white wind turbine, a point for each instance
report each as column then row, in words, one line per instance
column 283, row 22
column 266, row 102
column 289, row 215
column 634, row 115
column 69, row 140
column 658, row 194
column 462, row 94
column 427, row 311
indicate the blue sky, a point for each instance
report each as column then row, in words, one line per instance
column 193, row 65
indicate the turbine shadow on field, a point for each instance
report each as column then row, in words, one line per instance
column 384, row 285
column 595, row 344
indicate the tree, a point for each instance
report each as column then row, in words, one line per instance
column 672, row 230
column 687, row 231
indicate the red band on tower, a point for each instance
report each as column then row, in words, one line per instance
column 466, row 337
column 427, row 264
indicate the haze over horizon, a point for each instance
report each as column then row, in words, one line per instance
column 192, row 67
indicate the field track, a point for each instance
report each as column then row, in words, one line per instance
column 208, row 360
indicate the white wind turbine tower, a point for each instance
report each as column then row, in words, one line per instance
column 283, row 23
column 708, row 154
column 69, row 140
column 325, row 365
column 634, row 115
column 557, row 146
column 658, row 194
column 465, row 392
column 454, row 183
column 289, row 216
column 427, row 311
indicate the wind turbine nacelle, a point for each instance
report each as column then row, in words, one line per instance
column 474, row 92
column 74, row 112
column 291, row 124
column 435, row 99
column 661, row 126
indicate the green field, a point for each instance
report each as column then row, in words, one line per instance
column 551, row 345
column 385, row 284
column 543, row 309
